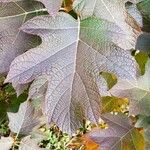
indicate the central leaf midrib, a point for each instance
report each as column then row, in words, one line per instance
column 24, row 14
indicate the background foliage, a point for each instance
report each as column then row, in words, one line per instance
column 74, row 74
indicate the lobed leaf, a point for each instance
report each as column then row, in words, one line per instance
column 120, row 134
column 112, row 11
column 137, row 91
column 72, row 53
column 13, row 41
column 52, row 6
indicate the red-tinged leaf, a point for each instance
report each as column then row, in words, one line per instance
column 120, row 134
column 89, row 144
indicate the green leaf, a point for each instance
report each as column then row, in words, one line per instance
column 144, row 122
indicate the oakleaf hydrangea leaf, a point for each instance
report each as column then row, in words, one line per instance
column 119, row 135
column 112, row 11
column 6, row 143
column 102, row 85
column 135, row 13
column 28, row 143
column 143, row 43
column 72, row 54
column 13, row 41
column 38, row 87
column 52, row 6
column 137, row 91
column 24, row 120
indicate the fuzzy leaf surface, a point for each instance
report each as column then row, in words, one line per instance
column 52, row 6
column 72, row 53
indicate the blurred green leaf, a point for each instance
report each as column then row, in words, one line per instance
column 144, row 122
column 141, row 59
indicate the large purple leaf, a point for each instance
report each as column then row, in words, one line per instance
column 72, row 54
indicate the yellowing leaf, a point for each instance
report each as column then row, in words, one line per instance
column 137, row 91
column 115, row 104
column 144, row 122
column 120, row 134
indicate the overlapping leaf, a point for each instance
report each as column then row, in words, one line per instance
column 13, row 41
column 24, row 120
column 137, row 91
column 135, row 13
column 52, row 6
column 120, row 134
column 6, row 143
column 143, row 43
column 112, row 11
column 27, row 143
column 144, row 7
column 114, row 104
column 71, row 54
